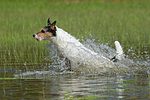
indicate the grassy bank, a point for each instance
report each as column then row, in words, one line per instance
column 108, row 21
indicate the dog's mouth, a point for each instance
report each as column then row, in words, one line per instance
column 37, row 39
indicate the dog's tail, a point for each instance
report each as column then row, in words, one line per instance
column 119, row 52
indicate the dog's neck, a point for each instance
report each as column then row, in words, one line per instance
column 63, row 38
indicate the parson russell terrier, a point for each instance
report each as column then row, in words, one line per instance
column 70, row 48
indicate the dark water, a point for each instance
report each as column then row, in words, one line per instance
column 67, row 86
column 52, row 81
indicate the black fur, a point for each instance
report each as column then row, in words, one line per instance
column 50, row 30
column 114, row 59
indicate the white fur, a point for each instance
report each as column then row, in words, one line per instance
column 69, row 47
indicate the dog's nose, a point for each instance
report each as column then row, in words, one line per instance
column 33, row 35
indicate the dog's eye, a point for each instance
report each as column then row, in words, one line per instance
column 42, row 31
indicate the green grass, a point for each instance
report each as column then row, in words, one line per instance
column 108, row 21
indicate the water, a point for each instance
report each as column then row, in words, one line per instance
column 54, row 80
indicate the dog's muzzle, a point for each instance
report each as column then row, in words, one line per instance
column 35, row 37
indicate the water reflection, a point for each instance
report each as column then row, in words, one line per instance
column 70, row 85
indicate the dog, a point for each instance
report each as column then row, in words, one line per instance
column 80, row 57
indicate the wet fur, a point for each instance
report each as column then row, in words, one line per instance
column 80, row 58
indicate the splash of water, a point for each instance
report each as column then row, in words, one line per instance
column 59, row 65
column 125, row 66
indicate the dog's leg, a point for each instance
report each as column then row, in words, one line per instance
column 68, row 63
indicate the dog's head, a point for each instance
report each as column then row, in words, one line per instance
column 46, row 32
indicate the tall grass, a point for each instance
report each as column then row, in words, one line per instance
column 108, row 21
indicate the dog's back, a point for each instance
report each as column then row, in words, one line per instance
column 70, row 48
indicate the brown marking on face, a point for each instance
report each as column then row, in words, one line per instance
column 46, row 32
column 44, row 35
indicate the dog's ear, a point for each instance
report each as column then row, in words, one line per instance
column 48, row 22
column 52, row 26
